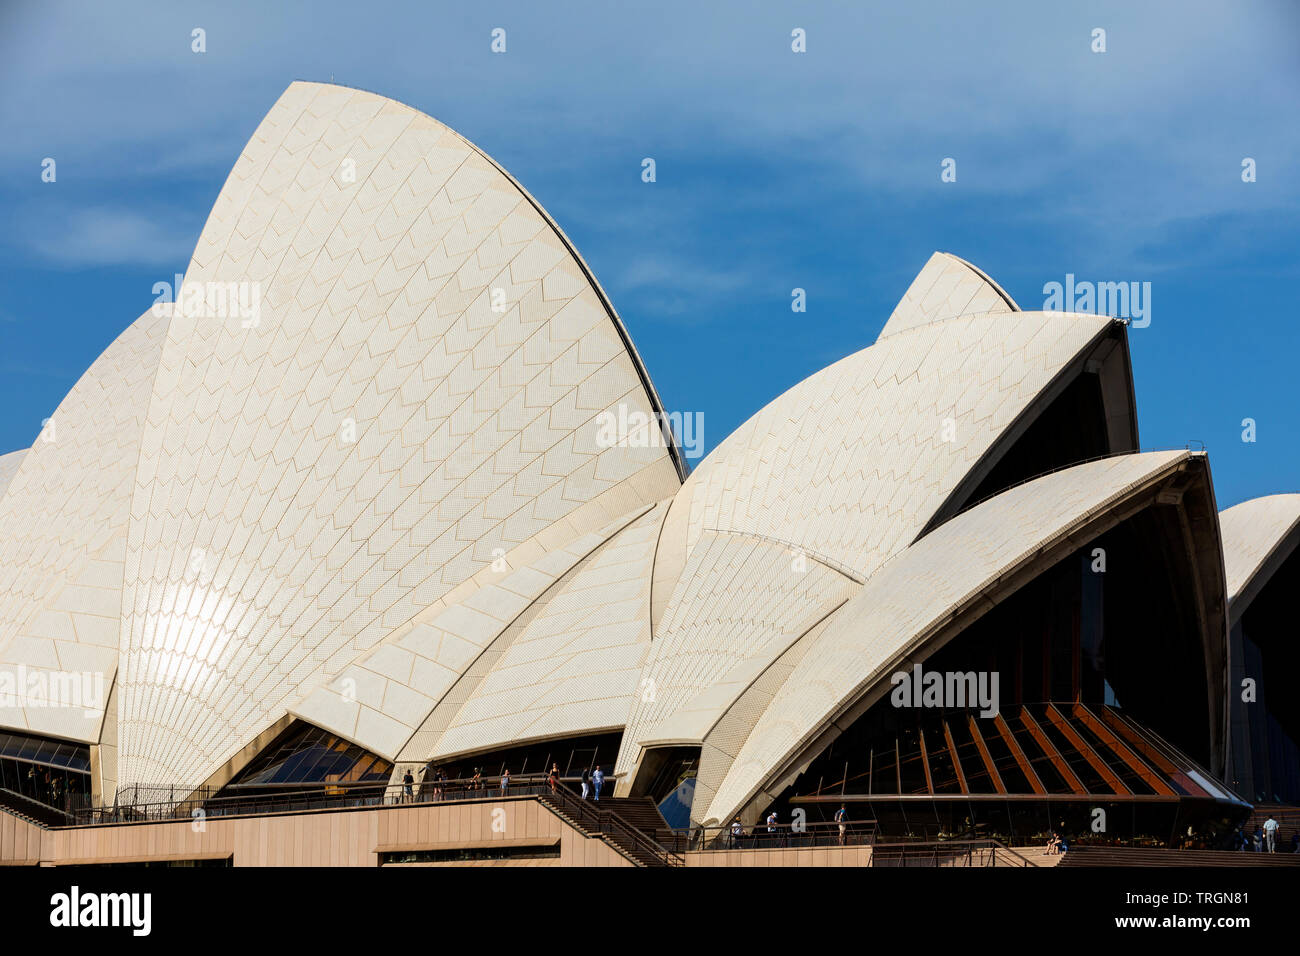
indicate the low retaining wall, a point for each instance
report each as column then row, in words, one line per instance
column 353, row 837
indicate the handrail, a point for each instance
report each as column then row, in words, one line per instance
column 340, row 795
column 38, row 809
column 602, row 820
column 1025, row 861
column 765, row 836
column 934, row 851
column 282, row 799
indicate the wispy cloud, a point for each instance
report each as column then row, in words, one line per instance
column 690, row 279
column 105, row 236
column 776, row 170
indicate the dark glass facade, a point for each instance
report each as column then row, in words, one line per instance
column 667, row 775
column 571, row 754
column 307, row 756
column 55, row 773
column 1264, row 750
column 1071, row 429
column 470, row 854
column 1103, row 723
column 1113, row 623
column 1029, row 770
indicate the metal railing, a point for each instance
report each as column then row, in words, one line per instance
column 966, row 853
column 596, row 819
column 295, row 798
column 32, row 810
column 765, row 836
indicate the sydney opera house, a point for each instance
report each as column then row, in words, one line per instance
column 335, row 535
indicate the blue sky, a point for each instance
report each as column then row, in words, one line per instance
column 775, row 170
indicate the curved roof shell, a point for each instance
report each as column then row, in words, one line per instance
column 1258, row 535
column 405, row 393
column 9, row 467
column 575, row 665
column 811, row 496
column 355, row 477
column 63, row 529
column 898, row 613
column 945, row 288
column 401, row 697
column 850, row 464
column 770, row 536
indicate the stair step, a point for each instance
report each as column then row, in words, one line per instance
column 1135, row 856
column 638, row 814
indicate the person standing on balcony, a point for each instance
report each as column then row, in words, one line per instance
column 408, row 786
column 439, row 779
column 554, row 778
column 505, row 782
column 597, row 781
column 842, row 818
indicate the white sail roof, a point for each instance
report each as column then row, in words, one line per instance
column 911, row 597
column 406, row 393
column 1252, row 532
column 945, row 288
column 63, row 529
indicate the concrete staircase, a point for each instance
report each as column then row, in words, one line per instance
column 33, row 811
column 13, row 812
column 1035, row 855
column 1137, row 856
column 956, row 853
column 640, row 812
column 1288, row 819
column 605, row 820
